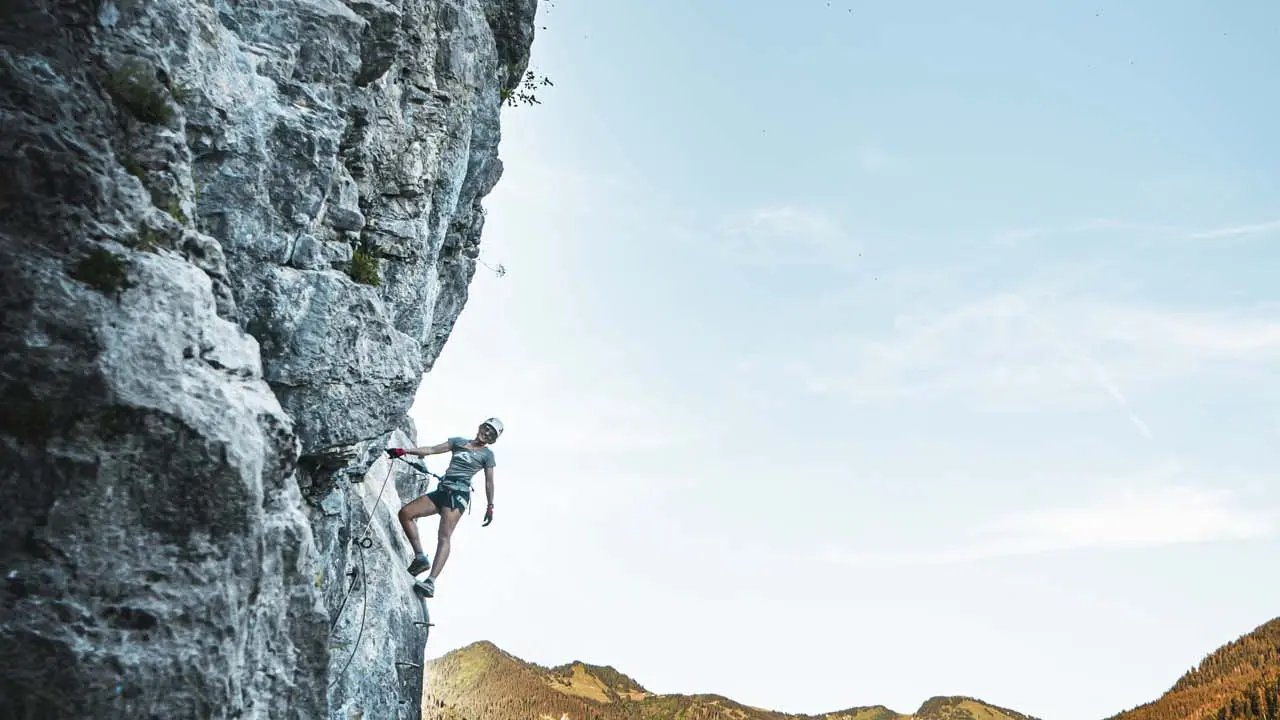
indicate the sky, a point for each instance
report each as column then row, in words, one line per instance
column 856, row 353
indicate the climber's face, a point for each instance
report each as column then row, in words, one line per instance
column 486, row 433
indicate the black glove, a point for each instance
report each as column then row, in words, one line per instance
column 395, row 452
column 488, row 516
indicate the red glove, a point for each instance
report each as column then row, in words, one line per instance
column 488, row 516
column 395, row 452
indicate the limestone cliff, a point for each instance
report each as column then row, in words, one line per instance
column 233, row 235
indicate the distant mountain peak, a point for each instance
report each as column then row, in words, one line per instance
column 601, row 683
column 962, row 707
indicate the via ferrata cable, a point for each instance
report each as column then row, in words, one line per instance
column 364, row 543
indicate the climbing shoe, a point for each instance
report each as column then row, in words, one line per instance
column 419, row 564
column 426, row 587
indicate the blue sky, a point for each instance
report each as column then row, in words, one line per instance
column 856, row 353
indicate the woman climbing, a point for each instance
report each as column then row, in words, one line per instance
column 451, row 496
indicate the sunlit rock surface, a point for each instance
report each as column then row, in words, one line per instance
column 232, row 237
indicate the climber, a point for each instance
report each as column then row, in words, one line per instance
column 451, row 496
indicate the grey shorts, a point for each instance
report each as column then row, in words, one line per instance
column 447, row 498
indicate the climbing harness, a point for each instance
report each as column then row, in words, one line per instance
column 364, row 543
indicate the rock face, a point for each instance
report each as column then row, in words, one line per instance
column 377, row 623
column 233, row 235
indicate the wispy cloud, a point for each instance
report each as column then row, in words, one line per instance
column 1124, row 519
column 1099, row 371
column 1196, row 337
column 789, row 222
column 1016, row 236
column 784, row 234
column 1262, row 228
column 1009, row 352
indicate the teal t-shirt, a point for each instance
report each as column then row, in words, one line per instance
column 465, row 464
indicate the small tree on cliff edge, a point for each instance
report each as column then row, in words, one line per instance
column 526, row 92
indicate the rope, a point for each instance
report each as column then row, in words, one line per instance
column 363, row 544
column 364, row 607
column 376, row 503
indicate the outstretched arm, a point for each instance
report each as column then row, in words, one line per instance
column 432, row 450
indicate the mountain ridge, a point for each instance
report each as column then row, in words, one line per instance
column 1240, row 680
column 481, row 681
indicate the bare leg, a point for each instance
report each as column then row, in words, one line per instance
column 449, row 518
column 419, row 508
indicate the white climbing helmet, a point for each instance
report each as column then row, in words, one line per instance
column 496, row 424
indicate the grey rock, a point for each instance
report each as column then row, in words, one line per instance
column 343, row 211
column 190, row 378
column 308, row 253
column 205, row 253
column 338, row 360
column 380, row 40
column 378, row 637
column 401, row 173
column 337, row 254
column 341, row 218
column 157, row 555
